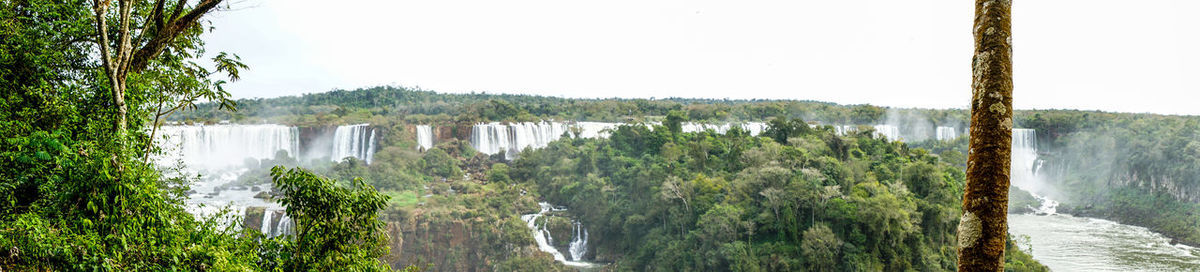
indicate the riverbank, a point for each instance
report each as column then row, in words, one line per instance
column 1157, row 212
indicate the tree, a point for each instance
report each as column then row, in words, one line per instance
column 675, row 121
column 984, row 224
column 820, row 248
column 337, row 227
column 135, row 48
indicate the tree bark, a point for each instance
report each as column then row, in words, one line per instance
column 983, row 228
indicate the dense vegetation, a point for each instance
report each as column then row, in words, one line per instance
column 75, row 191
column 664, row 200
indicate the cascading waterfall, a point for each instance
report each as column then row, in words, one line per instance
column 1025, row 166
column 219, row 152
column 754, row 128
column 275, row 222
column 492, row 138
column 541, row 235
column 842, row 130
column 578, row 248
column 892, row 133
column 424, row 137
column 595, row 129
column 947, row 133
column 223, row 146
column 356, row 141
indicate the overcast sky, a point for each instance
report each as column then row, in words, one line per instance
column 1114, row 55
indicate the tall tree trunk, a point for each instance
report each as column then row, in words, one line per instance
column 125, row 58
column 984, row 225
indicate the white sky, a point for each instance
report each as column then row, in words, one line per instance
column 1114, row 55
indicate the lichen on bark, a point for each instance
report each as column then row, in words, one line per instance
column 983, row 227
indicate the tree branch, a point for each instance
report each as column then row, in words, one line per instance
column 175, row 12
column 156, row 15
column 100, row 7
column 124, row 50
column 169, row 32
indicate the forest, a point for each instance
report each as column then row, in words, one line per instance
column 87, row 101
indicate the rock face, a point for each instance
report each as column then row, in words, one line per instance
column 254, row 218
column 444, row 244
column 560, row 230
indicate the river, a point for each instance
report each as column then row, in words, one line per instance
column 1068, row 243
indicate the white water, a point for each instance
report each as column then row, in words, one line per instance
column 424, row 137
column 578, row 247
column 947, row 133
column 1068, row 243
column 276, row 222
column 492, row 138
column 222, row 153
column 842, row 130
column 541, row 235
column 890, row 132
column 512, row 138
column 754, row 128
column 223, row 146
column 356, row 141
column 1024, row 169
column 595, row 129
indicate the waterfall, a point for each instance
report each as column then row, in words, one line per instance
column 265, row 225
column 1024, row 168
column 223, row 146
column 356, row 141
column 424, row 137
column 947, row 133
column 595, row 129
column 491, row 138
column 541, row 235
column 892, row 133
column 754, row 128
column 579, row 244
column 219, row 152
column 842, row 130
column 274, row 221
column 285, row 226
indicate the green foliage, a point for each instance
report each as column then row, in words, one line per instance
column 820, row 247
column 806, row 200
column 75, row 198
column 499, row 173
column 337, row 226
column 419, row 106
column 437, row 163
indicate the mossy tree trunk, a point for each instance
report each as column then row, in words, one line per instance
column 983, row 228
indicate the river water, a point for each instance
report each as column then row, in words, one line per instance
column 1068, row 243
